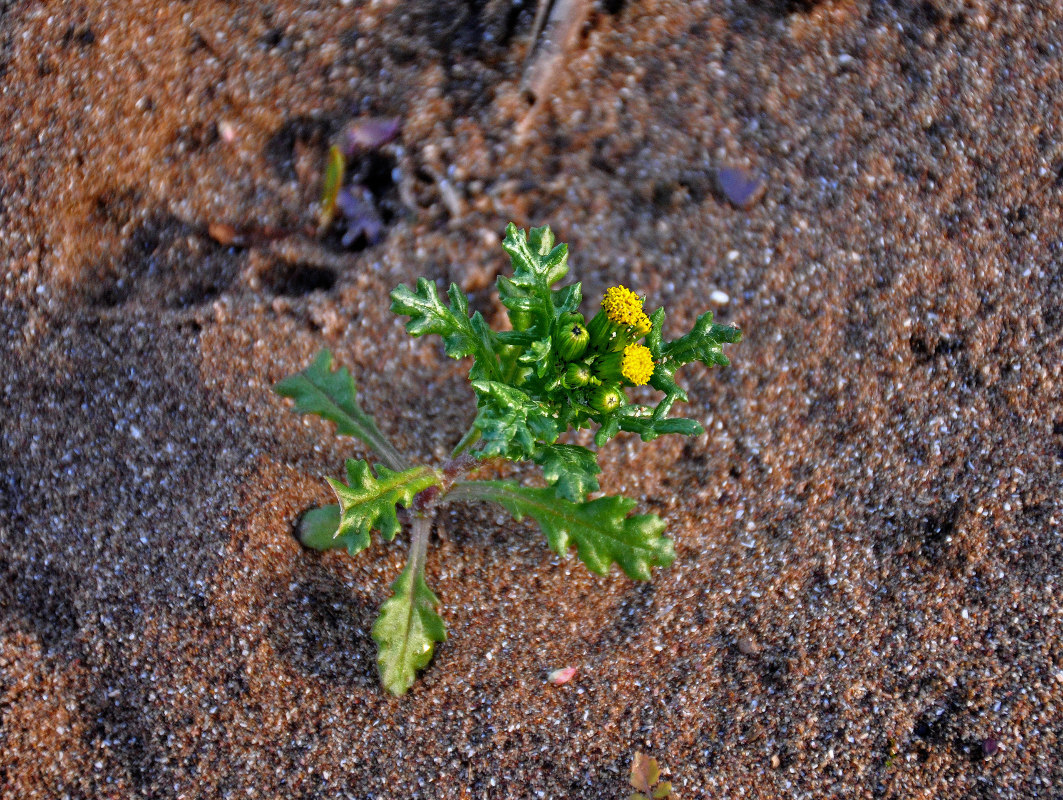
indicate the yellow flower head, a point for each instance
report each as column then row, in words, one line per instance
column 622, row 306
column 642, row 326
column 637, row 364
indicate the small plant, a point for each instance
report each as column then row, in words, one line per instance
column 552, row 372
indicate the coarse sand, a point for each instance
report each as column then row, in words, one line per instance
column 866, row 600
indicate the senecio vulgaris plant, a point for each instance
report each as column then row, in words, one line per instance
column 554, row 371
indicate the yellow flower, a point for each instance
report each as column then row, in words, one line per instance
column 642, row 326
column 622, row 306
column 637, row 364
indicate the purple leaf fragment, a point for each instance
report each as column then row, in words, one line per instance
column 741, row 187
column 357, row 206
column 363, row 135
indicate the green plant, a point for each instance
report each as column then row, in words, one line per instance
column 553, row 372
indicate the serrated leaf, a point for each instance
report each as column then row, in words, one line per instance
column 537, row 265
column 332, row 396
column 407, row 629
column 600, row 530
column 368, row 502
column 663, row 378
column 537, row 354
column 511, row 421
column 704, row 343
column 571, row 469
column 462, row 335
column 663, row 790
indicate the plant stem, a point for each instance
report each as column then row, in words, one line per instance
column 472, row 491
column 386, row 450
column 471, row 437
column 422, row 527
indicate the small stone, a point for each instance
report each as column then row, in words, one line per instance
column 990, row 746
column 226, row 235
column 747, row 646
column 775, row 761
column 740, row 187
column 719, row 298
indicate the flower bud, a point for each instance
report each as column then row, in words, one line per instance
column 577, row 375
column 572, row 337
column 601, row 330
column 607, row 399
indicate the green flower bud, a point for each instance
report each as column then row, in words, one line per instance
column 577, row 375
column 572, row 337
column 607, row 367
column 607, row 399
column 601, row 329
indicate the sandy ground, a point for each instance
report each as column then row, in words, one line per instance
column 866, row 600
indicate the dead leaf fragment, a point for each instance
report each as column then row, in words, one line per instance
column 644, row 772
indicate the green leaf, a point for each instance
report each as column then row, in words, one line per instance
column 537, row 265
column 649, row 425
column 331, row 189
column 368, row 502
column 511, row 421
column 663, row 378
column 462, row 335
column 538, row 354
column 704, row 343
column 407, row 629
column 663, row 790
column 571, row 469
column 600, row 530
column 318, row 527
column 332, row 396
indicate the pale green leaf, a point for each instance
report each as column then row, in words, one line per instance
column 406, row 630
column 318, row 527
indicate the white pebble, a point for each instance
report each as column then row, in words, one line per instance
column 719, row 298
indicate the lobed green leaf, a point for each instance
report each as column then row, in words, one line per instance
column 704, row 343
column 462, row 335
column 511, row 421
column 572, row 470
column 332, row 396
column 600, row 530
column 368, row 502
